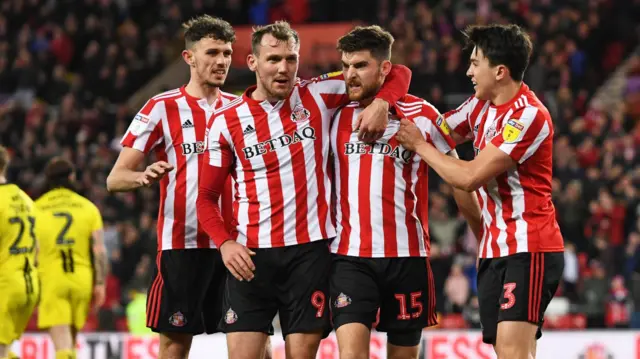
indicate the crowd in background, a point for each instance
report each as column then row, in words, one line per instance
column 68, row 67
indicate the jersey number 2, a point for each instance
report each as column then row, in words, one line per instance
column 66, row 254
column 14, row 249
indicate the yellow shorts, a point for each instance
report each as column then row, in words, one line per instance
column 65, row 299
column 19, row 297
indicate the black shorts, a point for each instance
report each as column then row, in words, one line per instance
column 517, row 288
column 292, row 281
column 402, row 288
column 185, row 295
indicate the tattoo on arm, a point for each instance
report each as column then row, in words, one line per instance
column 100, row 264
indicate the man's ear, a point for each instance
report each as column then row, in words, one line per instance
column 252, row 62
column 386, row 67
column 501, row 72
column 187, row 56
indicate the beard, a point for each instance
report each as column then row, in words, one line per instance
column 267, row 85
column 365, row 92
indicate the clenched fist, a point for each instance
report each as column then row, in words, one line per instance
column 409, row 135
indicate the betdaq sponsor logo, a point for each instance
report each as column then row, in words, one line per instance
column 286, row 140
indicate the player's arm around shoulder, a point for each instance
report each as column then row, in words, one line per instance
column 464, row 175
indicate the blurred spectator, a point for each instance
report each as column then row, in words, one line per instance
column 471, row 313
column 595, row 294
column 571, row 272
column 67, row 69
column 456, row 288
column 619, row 305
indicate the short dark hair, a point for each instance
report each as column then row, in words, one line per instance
column 281, row 30
column 57, row 172
column 207, row 26
column 372, row 38
column 507, row 45
column 4, row 159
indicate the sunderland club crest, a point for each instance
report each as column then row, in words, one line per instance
column 300, row 114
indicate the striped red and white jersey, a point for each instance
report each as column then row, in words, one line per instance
column 381, row 187
column 173, row 124
column 280, row 152
column 517, row 210
column 278, row 155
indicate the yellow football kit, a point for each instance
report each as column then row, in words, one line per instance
column 65, row 224
column 19, row 287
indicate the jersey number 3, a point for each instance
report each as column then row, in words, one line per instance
column 66, row 254
column 15, row 249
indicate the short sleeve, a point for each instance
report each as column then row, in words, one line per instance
column 523, row 133
column 435, row 128
column 459, row 120
column 440, row 135
column 145, row 131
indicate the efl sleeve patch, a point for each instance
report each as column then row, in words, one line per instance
column 512, row 131
column 330, row 75
column 443, row 125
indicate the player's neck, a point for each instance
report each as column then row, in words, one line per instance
column 506, row 92
column 202, row 91
column 3, row 180
column 260, row 94
column 367, row 101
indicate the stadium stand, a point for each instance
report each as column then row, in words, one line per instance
column 68, row 68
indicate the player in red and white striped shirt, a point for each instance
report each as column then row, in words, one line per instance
column 521, row 248
column 190, row 273
column 274, row 140
column 381, row 199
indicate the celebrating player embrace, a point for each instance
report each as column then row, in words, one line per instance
column 381, row 206
column 521, row 247
column 274, row 140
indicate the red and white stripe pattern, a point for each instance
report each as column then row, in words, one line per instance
column 280, row 152
column 377, row 185
column 155, row 295
column 517, row 210
column 536, row 283
column 173, row 124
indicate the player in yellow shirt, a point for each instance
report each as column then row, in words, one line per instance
column 18, row 277
column 73, row 262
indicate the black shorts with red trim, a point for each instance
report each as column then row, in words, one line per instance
column 401, row 288
column 186, row 292
column 291, row 281
column 517, row 288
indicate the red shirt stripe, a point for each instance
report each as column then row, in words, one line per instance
column 381, row 218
